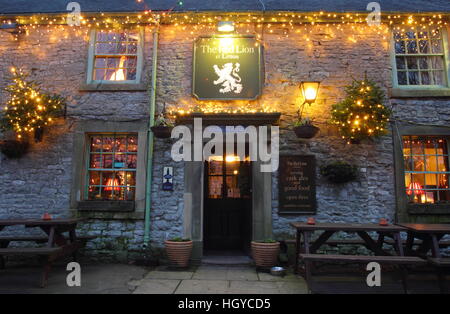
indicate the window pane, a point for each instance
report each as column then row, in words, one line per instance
column 425, row 76
column 400, row 62
column 423, row 46
column 106, row 48
column 131, row 74
column 412, row 46
column 96, row 143
column 418, row 163
column 96, row 161
column 413, row 78
column 438, row 77
column 94, row 177
column 108, row 144
column 402, row 78
column 131, row 161
column 412, row 62
column 130, row 178
column 436, row 46
column 107, row 161
column 99, row 74
column 400, row 47
column 437, row 63
column 132, row 143
column 423, row 63
column 100, row 62
column 215, row 167
column 215, row 184
column 120, row 161
column 94, row 193
column 120, row 144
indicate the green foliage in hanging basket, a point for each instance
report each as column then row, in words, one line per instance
column 179, row 239
column 28, row 108
column 361, row 115
column 339, row 172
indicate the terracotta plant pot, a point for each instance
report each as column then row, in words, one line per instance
column 179, row 252
column 265, row 255
column 161, row 131
column 306, row 131
column 14, row 148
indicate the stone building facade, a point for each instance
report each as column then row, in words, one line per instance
column 48, row 178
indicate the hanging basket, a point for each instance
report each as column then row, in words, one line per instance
column 306, row 131
column 162, row 131
column 13, row 148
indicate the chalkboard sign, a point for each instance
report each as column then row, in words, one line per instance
column 297, row 184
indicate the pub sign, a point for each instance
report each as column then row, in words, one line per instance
column 297, row 184
column 227, row 67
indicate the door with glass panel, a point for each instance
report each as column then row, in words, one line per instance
column 228, row 205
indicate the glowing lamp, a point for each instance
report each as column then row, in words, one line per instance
column 225, row 27
column 112, row 185
column 309, row 91
column 415, row 189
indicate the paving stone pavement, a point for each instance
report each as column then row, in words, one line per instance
column 208, row 279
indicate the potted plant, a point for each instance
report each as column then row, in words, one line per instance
column 339, row 172
column 304, row 128
column 163, row 127
column 265, row 253
column 179, row 251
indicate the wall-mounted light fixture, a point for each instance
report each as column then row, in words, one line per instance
column 12, row 28
column 225, row 26
column 309, row 91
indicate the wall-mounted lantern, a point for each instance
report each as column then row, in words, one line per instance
column 225, row 26
column 309, row 91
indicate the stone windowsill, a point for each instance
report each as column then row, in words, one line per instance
column 106, row 206
column 102, row 87
column 420, row 92
column 136, row 215
column 424, row 209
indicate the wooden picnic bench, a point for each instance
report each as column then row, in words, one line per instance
column 306, row 250
column 57, row 245
column 431, row 236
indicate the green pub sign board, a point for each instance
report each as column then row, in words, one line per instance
column 297, row 184
column 227, row 68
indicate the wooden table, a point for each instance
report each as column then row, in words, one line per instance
column 57, row 244
column 328, row 229
column 430, row 234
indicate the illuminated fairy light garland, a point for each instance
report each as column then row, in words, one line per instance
column 361, row 115
column 351, row 26
column 27, row 108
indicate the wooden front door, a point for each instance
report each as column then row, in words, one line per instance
column 228, row 204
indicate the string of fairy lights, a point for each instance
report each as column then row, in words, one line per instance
column 280, row 25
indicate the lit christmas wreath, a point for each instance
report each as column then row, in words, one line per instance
column 28, row 110
column 361, row 115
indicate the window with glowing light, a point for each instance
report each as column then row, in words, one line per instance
column 420, row 57
column 116, row 56
column 112, row 167
column 426, row 162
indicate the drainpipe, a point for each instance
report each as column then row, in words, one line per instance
column 148, row 186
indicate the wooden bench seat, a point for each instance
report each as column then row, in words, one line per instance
column 442, row 244
column 363, row 259
column 400, row 261
column 440, row 262
column 30, row 251
column 5, row 240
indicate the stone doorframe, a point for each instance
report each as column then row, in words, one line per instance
column 193, row 204
column 194, row 199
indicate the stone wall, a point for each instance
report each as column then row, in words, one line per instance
column 41, row 180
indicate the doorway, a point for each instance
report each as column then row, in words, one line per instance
column 227, row 220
